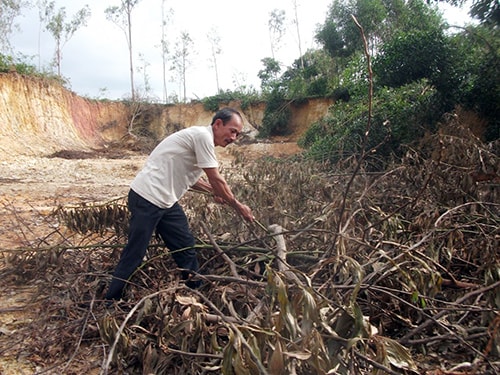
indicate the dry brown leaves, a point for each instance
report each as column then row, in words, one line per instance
column 410, row 283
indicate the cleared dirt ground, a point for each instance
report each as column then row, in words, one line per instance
column 30, row 189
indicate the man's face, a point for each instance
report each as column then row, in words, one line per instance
column 226, row 134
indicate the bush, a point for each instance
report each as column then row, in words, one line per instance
column 277, row 116
column 463, row 68
column 308, row 76
column 400, row 116
column 476, row 63
column 411, row 56
column 10, row 64
column 213, row 103
column 484, row 97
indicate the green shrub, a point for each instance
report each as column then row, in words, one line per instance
column 484, row 97
column 308, row 76
column 277, row 115
column 476, row 63
column 11, row 64
column 411, row 56
column 400, row 116
column 246, row 98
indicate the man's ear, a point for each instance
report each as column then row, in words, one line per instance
column 218, row 123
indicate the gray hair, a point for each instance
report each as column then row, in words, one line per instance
column 225, row 114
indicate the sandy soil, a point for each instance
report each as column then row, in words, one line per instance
column 30, row 188
column 39, row 184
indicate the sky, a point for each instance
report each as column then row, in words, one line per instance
column 95, row 59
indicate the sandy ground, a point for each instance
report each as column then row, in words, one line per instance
column 30, row 188
column 39, row 184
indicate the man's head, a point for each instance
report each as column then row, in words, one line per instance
column 227, row 124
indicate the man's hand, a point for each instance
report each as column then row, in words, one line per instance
column 246, row 212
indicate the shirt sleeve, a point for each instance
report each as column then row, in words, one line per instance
column 204, row 149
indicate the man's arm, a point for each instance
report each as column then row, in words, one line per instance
column 202, row 186
column 220, row 188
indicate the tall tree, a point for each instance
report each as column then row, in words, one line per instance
column 41, row 17
column 143, row 69
column 380, row 19
column 214, row 40
column 9, row 10
column 486, row 11
column 181, row 61
column 61, row 30
column 276, row 27
column 122, row 17
column 297, row 28
column 165, row 18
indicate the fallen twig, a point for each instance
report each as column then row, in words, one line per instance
column 442, row 313
column 228, row 260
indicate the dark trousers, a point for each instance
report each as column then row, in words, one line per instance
column 172, row 226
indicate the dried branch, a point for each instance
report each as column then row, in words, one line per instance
column 443, row 313
column 228, row 260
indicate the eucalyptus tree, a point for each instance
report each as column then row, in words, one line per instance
column 61, row 29
column 297, row 29
column 166, row 15
column 215, row 49
column 181, row 60
column 276, row 27
column 9, row 10
column 121, row 15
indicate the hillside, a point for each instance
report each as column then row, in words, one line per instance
column 39, row 117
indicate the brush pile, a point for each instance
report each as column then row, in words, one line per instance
column 393, row 272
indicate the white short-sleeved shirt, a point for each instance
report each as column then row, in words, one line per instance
column 175, row 165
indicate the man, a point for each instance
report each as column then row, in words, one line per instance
column 176, row 165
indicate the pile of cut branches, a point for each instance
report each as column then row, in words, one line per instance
column 344, row 272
